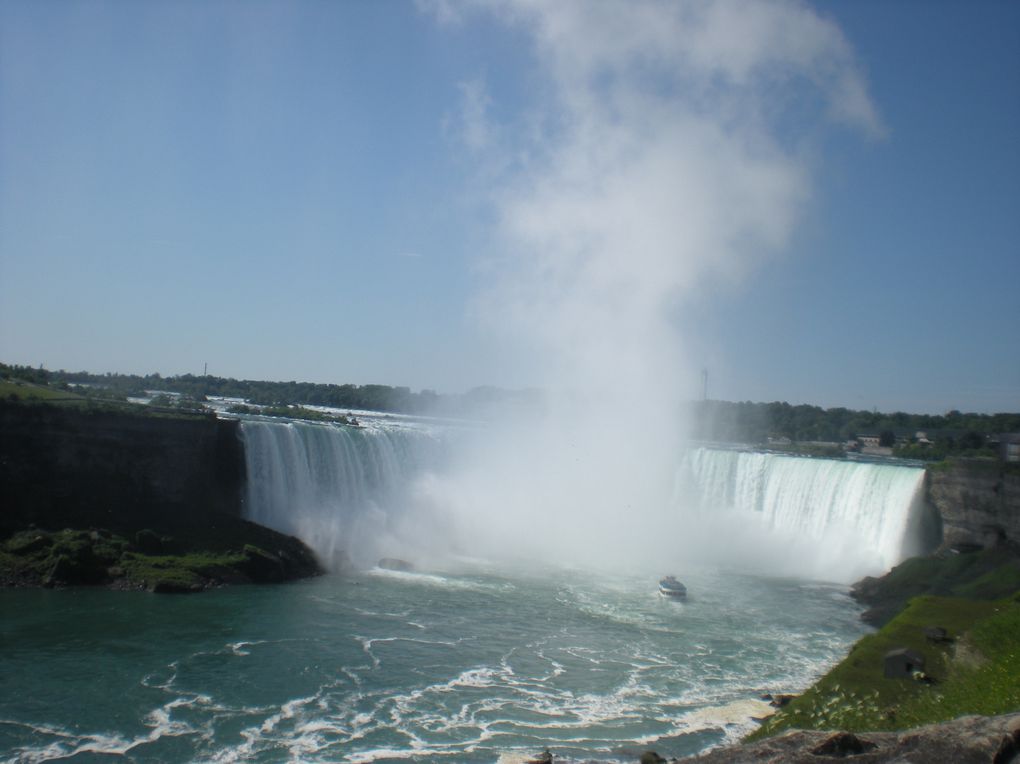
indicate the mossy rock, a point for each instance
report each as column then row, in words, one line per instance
column 148, row 541
column 29, row 542
column 223, row 550
column 262, row 566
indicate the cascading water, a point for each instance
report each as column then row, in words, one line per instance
column 355, row 494
column 342, row 490
column 829, row 518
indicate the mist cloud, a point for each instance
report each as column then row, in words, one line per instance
column 664, row 152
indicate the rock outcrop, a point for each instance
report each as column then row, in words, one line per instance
column 978, row 501
column 983, row 739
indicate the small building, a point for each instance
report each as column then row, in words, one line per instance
column 902, row 663
column 1009, row 447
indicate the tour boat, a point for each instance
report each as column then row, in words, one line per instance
column 670, row 587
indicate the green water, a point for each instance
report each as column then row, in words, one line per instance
column 470, row 666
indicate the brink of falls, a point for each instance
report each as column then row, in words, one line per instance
column 350, row 493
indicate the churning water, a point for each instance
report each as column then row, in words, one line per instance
column 382, row 666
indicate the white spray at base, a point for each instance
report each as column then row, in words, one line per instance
column 360, row 494
column 342, row 490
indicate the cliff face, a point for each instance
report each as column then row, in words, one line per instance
column 978, row 501
column 78, row 468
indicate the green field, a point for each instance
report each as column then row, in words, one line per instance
column 26, row 391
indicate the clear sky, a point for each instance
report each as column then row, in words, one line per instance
column 819, row 203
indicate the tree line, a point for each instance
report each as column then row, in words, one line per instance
column 742, row 422
column 197, row 388
column 748, row 422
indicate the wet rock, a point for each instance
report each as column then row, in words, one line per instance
column 394, row 563
column 149, row 542
column 175, row 587
column 262, row 566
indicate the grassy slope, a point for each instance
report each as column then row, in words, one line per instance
column 978, row 673
column 985, row 575
column 26, row 391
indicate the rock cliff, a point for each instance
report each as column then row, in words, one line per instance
column 77, row 467
column 978, row 501
column 131, row 499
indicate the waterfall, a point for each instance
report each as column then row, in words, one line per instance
column 355, row 494
column 832, row 518
column 342, row 490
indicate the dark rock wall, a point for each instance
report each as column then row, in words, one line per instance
column 978, row 501
column 74, row 467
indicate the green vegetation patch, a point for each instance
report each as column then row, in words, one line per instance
column 25, row 391
column 974, row 671
column 986, row 574
column 179, row 572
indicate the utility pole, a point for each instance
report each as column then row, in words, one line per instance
column 704, row 384
column 205, row 371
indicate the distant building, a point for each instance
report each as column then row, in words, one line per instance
column 868, row 441
column 1009, row 447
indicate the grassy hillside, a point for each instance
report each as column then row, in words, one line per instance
column 978, row 672
column 26, row 391
column 987, row 574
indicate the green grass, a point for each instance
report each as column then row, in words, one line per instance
column 976, row 674
column 26, row 391
column 987, row 574
column 181, row 570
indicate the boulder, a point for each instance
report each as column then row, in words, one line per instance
column 394, row 563
column 841, row 745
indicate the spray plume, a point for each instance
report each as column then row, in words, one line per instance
column 658, row 156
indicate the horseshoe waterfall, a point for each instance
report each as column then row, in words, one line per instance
column 350, row 494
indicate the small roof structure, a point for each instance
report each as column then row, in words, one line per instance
column 902, row 663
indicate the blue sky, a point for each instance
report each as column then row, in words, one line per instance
column 395, row 193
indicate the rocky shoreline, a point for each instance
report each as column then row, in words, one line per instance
column 984, row 739
column 231, row 551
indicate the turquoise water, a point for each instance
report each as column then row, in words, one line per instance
column 475, row 666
